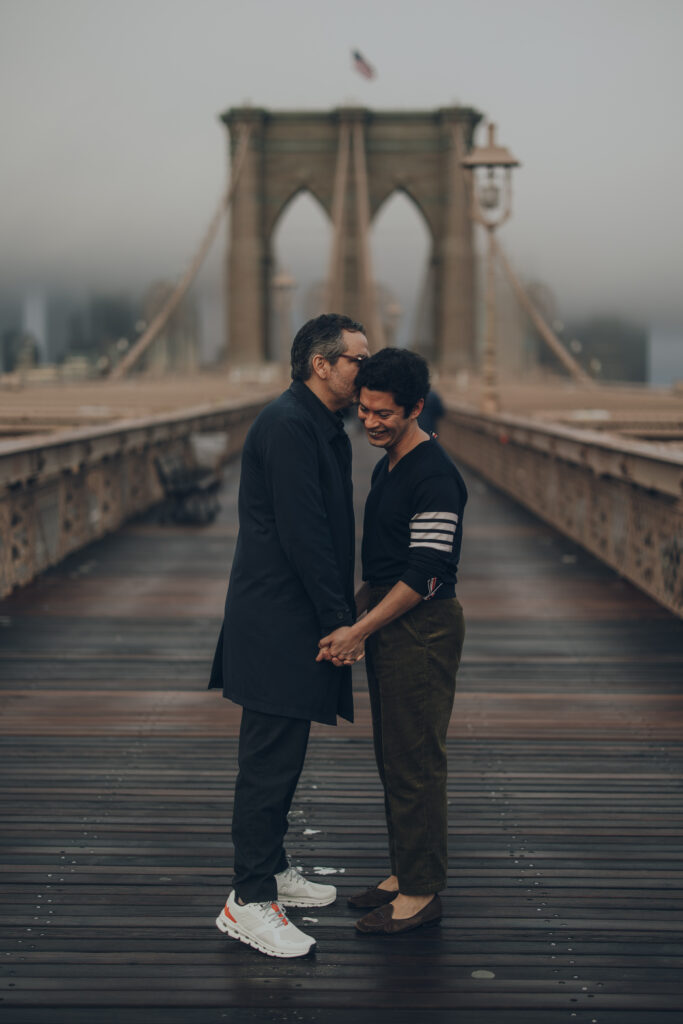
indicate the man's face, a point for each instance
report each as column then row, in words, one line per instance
column 385, row 422
column 342, row 378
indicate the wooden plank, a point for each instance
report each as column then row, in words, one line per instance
column 566, row 833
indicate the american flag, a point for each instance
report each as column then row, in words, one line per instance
column 361, row 65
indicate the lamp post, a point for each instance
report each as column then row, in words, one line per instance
column 490, row 206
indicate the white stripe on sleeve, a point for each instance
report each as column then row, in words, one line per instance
column 428, row 516
column 433, row 545
column 433, row 530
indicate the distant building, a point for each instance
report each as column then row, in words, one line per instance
column 177, row 347
column 62, row 324
column 607, row 348
column 666, row 356
column 34, row 322
column 10, row 329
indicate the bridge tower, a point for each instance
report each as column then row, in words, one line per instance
column 352, row 159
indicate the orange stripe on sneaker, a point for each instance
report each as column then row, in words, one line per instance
column 228, row 914
column 279, row 913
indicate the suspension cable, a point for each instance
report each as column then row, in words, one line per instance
column 549, row 337
column 162, row 317
column 547, row 334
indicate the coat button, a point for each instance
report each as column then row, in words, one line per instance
column 340, row 616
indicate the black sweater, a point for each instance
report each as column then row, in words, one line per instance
column 413, row 522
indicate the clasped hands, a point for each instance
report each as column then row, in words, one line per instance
column 344, row 646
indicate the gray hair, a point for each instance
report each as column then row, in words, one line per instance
column 322, row 336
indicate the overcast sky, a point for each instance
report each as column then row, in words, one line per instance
column 112, row 157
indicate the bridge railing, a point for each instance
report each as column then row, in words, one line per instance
column 59, row 492
column 622, row 500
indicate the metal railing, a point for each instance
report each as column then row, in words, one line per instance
column 622, row 500
column 59, row 492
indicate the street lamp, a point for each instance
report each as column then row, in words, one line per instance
column 490, row 206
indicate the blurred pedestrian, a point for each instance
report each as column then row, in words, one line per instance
column 432, row 412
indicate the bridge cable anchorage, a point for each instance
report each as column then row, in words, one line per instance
column 547, row 334
column 161, row 319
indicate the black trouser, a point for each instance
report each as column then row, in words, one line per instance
column 411, row 666
column 271, row 755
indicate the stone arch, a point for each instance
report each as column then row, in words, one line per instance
column 418, row 152
column 397, row 214
column 304, row 213
column 277, row 216
column 406, row 191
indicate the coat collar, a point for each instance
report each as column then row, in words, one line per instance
column 330, row 423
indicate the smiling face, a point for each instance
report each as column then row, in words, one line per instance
column 386, row 424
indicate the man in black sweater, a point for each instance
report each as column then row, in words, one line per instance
column 413, row 634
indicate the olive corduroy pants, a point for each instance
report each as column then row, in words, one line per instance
column 411, row 667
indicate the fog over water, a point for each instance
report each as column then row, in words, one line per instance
column 113, row 157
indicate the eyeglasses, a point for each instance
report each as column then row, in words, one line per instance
column 353, row 359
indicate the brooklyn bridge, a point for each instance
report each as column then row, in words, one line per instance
column 565, row 898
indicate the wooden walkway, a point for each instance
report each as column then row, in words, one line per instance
column 566, row 878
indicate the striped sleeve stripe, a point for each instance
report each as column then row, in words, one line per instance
column 425, row 517
column 432, row 544
column 431, row 527
column 432, row 534
column 433, row 530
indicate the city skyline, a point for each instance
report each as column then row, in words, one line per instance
column 114, row 156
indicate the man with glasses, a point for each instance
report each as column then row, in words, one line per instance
column 291, row 583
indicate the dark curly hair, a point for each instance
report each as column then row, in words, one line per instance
column 321, row 336
column 402, row 373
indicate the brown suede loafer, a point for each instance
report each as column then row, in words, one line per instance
column 372, row 897
column 381, row 921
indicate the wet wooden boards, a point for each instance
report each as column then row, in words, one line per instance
column 566, row 877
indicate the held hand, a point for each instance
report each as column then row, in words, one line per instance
column 324, row 655
column 341, row 647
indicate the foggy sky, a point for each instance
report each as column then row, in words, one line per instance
column 112, row 157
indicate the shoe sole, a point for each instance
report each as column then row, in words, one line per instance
column 304, row 901
column 251, row 940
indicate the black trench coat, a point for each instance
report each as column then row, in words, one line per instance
column 292, row 575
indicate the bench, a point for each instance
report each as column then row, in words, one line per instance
column 190, row 490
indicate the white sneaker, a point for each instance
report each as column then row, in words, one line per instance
column 264, row 926
column 296, row 891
